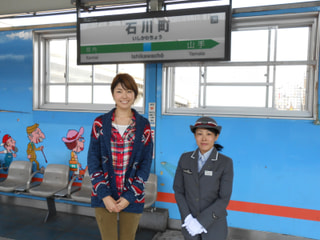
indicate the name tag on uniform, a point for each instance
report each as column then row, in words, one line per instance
column 207, row 173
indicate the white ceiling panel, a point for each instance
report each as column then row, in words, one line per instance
column 26, row 6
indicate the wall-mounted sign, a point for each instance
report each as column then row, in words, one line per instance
column 191, row 34
column 152, row 114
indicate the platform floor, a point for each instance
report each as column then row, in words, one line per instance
column 27, row 223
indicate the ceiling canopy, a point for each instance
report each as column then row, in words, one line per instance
column 12, row 7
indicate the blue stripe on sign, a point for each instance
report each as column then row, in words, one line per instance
column 147, row 47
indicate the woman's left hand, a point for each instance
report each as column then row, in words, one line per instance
column 122, row 203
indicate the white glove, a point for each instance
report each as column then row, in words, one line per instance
column 193, row 226
column 187, row 220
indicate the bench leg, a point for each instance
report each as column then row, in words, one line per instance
column 51, row 208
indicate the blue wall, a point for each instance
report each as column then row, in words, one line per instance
column 16, row 92
column 276, row 162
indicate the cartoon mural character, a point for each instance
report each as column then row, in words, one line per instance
column 10, row 150
column 74, row 142
column 35, row 136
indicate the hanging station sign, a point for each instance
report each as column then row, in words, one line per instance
column 178, row 35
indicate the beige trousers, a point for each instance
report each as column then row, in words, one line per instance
column 110, row 227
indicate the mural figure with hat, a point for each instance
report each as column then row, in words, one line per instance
column 203, row 185
column 74, row 142
column 35, row 136
column 10, row 150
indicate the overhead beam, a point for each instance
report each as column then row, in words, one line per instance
column 89, row 3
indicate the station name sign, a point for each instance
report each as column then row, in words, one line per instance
column 188, row 35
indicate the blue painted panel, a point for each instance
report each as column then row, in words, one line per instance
column 294, row 227
column 173, row 209
column 276, row 162
column 150, row 97
column 16, row 70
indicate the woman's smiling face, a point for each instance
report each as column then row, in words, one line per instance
column 205, row 139
column 124, row 98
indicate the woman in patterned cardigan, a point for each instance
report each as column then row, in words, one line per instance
column 119, row 161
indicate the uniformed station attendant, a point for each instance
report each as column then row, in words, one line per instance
column 203, row 185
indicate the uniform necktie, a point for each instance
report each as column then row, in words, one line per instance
column 201, row 162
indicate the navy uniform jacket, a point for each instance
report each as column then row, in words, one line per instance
column 205, row 194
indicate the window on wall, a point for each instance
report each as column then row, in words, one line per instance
column 61, row 84
column 272, row 72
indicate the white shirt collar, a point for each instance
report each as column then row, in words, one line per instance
column 206, row 155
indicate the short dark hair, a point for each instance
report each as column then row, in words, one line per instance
column 126, row 81
column 214, row 131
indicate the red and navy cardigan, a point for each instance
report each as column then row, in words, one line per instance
column 100, row 163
